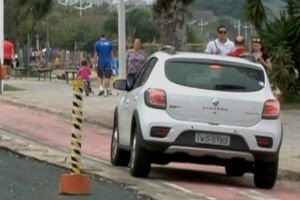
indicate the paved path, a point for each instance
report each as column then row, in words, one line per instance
column 207, row 182
column 56, row 97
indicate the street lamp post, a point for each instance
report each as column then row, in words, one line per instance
column 1, row 39
column 122, row 39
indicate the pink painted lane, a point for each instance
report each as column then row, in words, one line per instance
column 208, row 180
column 54, row 130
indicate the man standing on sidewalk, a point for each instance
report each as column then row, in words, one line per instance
column 103, row 48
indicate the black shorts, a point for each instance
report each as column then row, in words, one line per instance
column 7, row 62
column 104, row 72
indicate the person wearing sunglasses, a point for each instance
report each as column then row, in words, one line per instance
column 260, row 55
column 221, row 45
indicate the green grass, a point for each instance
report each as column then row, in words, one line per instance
column 291, row 103
column 11, row 88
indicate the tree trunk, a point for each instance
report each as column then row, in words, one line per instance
column 172, row 22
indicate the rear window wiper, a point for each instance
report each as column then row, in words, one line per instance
column 229, row 87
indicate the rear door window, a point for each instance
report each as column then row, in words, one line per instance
column 206, row 75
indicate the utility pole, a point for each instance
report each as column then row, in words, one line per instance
column 84, row 5
column 48, row 41
column 246, row 27
column 1, row 40
column 122, row 39
column 37, row 41
column 237, row 25
column 202, row 24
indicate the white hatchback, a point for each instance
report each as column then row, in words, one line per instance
column 199, row 108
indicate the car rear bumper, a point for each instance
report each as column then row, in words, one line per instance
column 181, row 138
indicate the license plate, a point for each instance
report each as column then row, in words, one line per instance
column 213, row 139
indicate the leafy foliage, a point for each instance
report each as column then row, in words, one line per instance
column 255, row 13
column 280, row 37
column 283, row 74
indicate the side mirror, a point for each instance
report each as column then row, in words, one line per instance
column 120, row 84
column 130, row 81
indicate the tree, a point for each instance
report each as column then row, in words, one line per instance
column 138, row 23
column 255, row 13
column 18, row 11
column 37, row 9
column 172, row 16
column 281, row 38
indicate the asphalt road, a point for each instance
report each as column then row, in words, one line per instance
column 23, row 178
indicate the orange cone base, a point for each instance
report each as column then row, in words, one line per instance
column 74, row 184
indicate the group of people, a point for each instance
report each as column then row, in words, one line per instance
column 222, row 45
column 104, row 54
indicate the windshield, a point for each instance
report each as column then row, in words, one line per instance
column 214, row 76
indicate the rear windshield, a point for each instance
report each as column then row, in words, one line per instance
column 215, row 76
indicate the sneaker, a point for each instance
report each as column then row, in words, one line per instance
column 101, row 93
column 109, row 92
column 105, row 93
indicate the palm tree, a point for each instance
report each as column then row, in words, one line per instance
column 171, row 16
column 255, row 13
column 281, row 36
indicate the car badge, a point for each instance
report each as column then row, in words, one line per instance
column 215, row 102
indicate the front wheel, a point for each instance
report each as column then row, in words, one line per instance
column 139, row 159
column 265, row 174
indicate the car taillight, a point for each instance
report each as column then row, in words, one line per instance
column 271, row 109
column 156, row 98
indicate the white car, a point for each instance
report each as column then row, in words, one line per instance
column 199, row 108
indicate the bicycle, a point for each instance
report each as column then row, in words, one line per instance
column 87, row 88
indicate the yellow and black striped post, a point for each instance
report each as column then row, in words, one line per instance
column 76, row 130
column 76, row 182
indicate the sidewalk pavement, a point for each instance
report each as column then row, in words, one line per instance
column 56, row 97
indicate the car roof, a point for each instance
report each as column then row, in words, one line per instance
column 194, row 55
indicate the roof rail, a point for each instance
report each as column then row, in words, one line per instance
column 168, row 49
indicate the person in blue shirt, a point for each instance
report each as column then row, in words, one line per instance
column 103, row 49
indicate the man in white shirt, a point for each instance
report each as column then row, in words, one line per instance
column 222, row 45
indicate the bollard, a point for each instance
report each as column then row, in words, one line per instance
column 75, row 183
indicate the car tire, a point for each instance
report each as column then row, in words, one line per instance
column 118, row 157
column 265, row 174
column 139, row 160
column 235, row 168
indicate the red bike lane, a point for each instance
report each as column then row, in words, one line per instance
column 209, row 181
